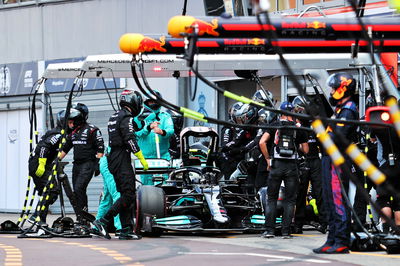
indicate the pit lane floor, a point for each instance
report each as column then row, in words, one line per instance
column 179, row 249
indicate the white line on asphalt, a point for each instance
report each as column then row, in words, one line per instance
column 272, row 257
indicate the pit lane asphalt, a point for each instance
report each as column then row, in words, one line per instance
column 179, row 249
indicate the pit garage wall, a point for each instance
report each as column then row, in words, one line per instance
column 14, row 147
column 71, row 29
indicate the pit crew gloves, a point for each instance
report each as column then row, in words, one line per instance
column 142, row 160
column 42, row 167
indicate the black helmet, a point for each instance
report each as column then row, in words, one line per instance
column 262, row 96
column 152, row 103
column 76, row 116
column 343, row 84
column 266, row 117
column 133, row 100
column 83, row 108
column 61, row 119
column 246, row 114
column 177, row 118
column 299, row 104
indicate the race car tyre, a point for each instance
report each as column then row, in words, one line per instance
column 151, row 204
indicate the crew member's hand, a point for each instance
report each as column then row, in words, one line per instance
column 268, row 164
column 154, row 124
column 96, row 168
column 158, row 131
column 142, row 160
column 42, row 167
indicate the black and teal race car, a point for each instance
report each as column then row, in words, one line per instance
column 190, row 195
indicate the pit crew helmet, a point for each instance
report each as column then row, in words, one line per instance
column 246, row 114
column 83, row 109
column 60, row 119
column 266, row 117
column 152, row 103
column 299, row 104
column 342, row 85
column 262, row 96
column 133, row 100
column 77, row 117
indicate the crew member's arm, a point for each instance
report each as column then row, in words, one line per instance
column 233, row 145
column 254, row 142
column 99, row 143
column 304, row 147
column 66, row 148
column 264, row 150
column 48, row 144
column 129, row 137
column 51, row 143
column 226, row 133
column 302, row 138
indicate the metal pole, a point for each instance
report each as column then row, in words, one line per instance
column 284, row 88
column 362, row 93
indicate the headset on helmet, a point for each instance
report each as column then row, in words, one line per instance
column 152, row 103
column 133, row 100
column 246, row 114
column 343, row 84
column 83, row 109
column 76, row 116
column 61, row 118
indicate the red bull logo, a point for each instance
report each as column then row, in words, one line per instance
column 205, row 27
column 148, row 44
column 256, row 41
column 316, row 25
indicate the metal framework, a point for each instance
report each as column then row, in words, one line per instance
column 161, row 66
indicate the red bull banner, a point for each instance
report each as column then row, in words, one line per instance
column 312, row 28
column 133, row 43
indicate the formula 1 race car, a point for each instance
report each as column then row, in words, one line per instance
column 191, row 196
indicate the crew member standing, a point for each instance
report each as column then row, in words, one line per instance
column 88, row 144
column 155, row 135
column 284, row 145
column 122, row 138
column 313, row 175
column 342, row 87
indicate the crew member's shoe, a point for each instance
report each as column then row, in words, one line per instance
column 126, row 233
column 298, row 229
column 101, row 226
column 268, row 234
column 338, row 250
column 322, row 249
